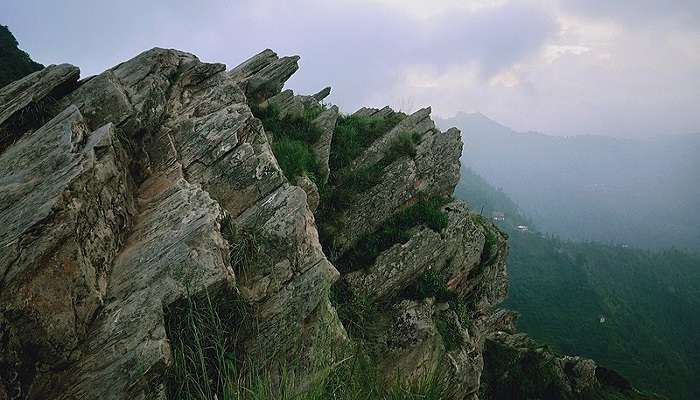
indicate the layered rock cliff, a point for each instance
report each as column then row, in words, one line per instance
column 133, row 199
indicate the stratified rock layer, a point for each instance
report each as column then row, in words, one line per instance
column 123, row 194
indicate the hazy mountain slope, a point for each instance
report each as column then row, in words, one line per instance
column 640, row 192
column 14, row 63
column 562, row 289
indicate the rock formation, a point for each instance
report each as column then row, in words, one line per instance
column 125, row 194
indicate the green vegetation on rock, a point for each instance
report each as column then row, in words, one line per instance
column 353, row 134
column 292, row 138
column 396, row 229
column 207, row 363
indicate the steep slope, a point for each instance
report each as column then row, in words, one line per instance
column 649, row 330
column 99, row 267
column 640, row 192
column 14, row 63
column 159, row 240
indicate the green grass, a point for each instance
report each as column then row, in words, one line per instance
column 433, row 284
column 295, row 158
column 355, row 312
column 352, row 182
column 245, row 248
column 427, row 211
column 293, row 137
column 298, row 127
column 203, row 331
column 353, row 134
column 403, row 145
column 449, row 331
column 207, row 363
column 346, row 186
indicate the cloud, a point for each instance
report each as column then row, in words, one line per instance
column 373, row 44
column 639, row 12
column 558, row 66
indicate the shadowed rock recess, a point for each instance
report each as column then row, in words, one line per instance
column 166, row 181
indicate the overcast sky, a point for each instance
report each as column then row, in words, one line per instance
column 563, row 67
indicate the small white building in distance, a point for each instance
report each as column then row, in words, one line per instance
column 498, row 216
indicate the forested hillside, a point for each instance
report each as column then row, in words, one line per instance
column 14, row 63
column 632, row 310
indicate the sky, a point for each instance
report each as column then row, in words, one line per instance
column 562, row 67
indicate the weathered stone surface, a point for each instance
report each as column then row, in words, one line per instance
column 322, row 148
column 153, row 181
column 66, row 209
column 374, row 112
column 264, row 74
column 191, row 152
column 286, row 103
column 175, row 248
column 29, row 102
column 517, row 367
column 322, row 94
column 35, row 87
column 455, row 253
column 412, row 344
column 309, row 187
column 457, row 249
column 433, row 171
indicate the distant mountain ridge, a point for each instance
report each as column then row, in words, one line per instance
column 629, row 309
column 634, row 191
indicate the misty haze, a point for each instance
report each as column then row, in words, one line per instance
column 353, row 199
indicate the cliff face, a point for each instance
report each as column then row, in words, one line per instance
column 165, row 184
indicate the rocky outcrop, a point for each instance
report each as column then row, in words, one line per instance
column 517, row 367
column 28, row 103
column 434, row 170
column 126, row 196
column 114, row 210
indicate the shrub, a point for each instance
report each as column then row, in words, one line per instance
column 449, row 331
column 292, row 138
column 402, row 145
column 295, row 158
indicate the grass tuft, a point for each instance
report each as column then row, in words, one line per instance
column 295, row 158
column 353, row 134
column 427, row 211
column 293, row 137
column 204, row 337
